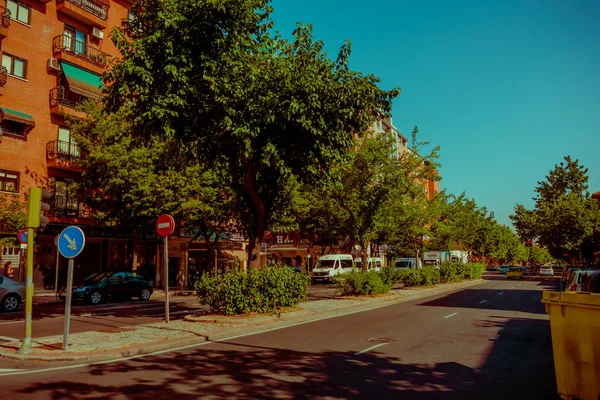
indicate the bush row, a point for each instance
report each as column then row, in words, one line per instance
column 262, row 291
column 358, row 282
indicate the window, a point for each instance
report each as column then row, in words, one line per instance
column 13, row 128
column 14, row 65
column 18, row 11
column 65, row 200
column 66, row 144
column 74, row 40
column 9, row 181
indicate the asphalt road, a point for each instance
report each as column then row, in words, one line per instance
column 487, row 342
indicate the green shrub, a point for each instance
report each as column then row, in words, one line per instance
column 264, row 291
column 409, row 276
column 474, row 270
column 359, row 282
column 429, row 276
column 451, row 272
column 389, row 276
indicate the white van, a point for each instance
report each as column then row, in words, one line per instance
column 407, row 262
column 374, row 263
column 331, row 265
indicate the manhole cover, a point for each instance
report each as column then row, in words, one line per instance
column 380, row 340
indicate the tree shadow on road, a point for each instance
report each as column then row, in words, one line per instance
column 512, row 369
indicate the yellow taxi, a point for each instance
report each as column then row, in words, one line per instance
column 514, row 273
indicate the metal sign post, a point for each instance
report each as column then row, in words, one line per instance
column 26, row 345
column 165, row 226
column 57, row 262
column 70, row 244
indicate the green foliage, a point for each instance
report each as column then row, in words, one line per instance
column 359, row 282
column 12, row 217
column 389, row 276
column 262, row 291
column 410, row 277
column 565, row 216
column 451, row 272
column 213, row 77
column 429, row 276
column 474, row 270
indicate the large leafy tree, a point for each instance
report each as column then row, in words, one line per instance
column 211, row 76
column 128, row 184
column 564, row 216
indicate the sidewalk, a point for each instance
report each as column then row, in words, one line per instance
column 193, row 329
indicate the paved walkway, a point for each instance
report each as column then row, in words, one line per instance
column 143, row 339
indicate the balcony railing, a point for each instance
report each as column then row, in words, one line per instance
column 3, row 74
column 67, row 44
column 4, row 17
column 97, row 8
column 61, row 96
column 68, row 206
column 62, row 150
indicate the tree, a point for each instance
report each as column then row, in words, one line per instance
column 129, row 184
column 212, row 77
column 565, row 216
column 12, row 217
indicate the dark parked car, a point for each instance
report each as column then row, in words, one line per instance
column 121, row 284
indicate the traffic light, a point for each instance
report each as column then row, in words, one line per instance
column 35, row 207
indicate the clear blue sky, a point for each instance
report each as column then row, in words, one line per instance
column 506, row 88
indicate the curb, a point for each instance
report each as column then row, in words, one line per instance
column 256, row 326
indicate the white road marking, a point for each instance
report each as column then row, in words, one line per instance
column 483, row 301
column 11, row 322
column 9, row 339
column 500, row 293
column 519, row 284
column 370, row 348
column 10, row 370
column 512, row 287
column 451, row 315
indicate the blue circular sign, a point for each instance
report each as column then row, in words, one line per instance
column 23, row 236
column 71, row 241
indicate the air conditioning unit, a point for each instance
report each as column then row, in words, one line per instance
column 53, row 65
column 97, row 33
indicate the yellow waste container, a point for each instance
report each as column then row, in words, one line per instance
column 575, row 329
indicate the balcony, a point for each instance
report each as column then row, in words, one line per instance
column 63, row 155
column 90, row 12
column 4, row 22
column 64, row 102
column 67, row 49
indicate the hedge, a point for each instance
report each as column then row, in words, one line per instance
column 262, row 291
column 360, row 282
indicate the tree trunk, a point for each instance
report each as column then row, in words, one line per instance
column 364, row 255
column 134, row 258
column 260, row 215
column 254, row 253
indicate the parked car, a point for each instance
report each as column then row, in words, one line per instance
column 374, row 263
column 592, row 284
column 546, row 270
column 514, row 273
column 578, row 280
column 12, row 294
column 120, row 284
column 295, row 268
column 504, row 269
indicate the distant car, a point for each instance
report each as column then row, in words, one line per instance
column 12, row 294
column 295, row 269
column 546, row 271
column 514, row 273
column 120, row 284
column 504, row 269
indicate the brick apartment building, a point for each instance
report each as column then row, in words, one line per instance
column 53, row 54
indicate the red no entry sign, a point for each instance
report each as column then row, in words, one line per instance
column 165, row 225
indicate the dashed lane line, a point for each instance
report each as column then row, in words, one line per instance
column 483, row 301
column 499, row 294
column 370, row 348
column 450, row 315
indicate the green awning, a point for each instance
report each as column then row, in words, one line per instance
column 82, row 82
column 16, row 116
